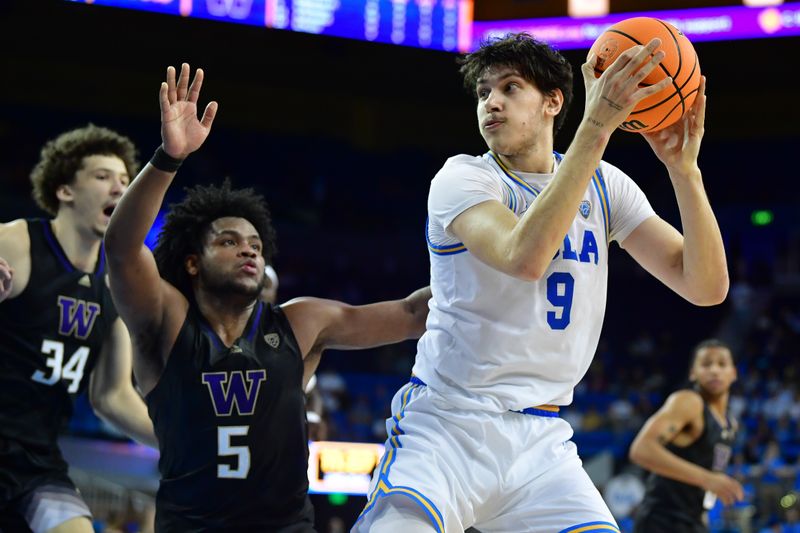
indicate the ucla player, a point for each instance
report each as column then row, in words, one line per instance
column 59, row 329
column 686, row 446
column 223, row 372
column 519, row 240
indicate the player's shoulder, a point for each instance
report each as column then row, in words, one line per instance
column 14, row 239
column 466, row 160
column 14, row 228
column 686, row 400
column 464, row 166
column 612, row 173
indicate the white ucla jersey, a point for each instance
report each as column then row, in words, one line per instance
column 495, row 342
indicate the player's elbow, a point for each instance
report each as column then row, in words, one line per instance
column 525, row 267
column 99, row 402
column 636, row 454
column 530, row 262
column 117, row 245
column 711, row 294
column 102, row 402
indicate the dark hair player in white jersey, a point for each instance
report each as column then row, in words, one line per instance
column 518, row 240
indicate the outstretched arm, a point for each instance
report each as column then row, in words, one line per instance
column 321, row 324
column 650, row 452
column 141, row 296
column 524, row 247
column 693, row 264
column 111, row 391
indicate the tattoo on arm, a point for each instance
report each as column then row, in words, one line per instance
column 613, row 104
column 595, row 122
column 665, row 437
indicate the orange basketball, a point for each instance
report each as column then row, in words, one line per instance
column 668, row 105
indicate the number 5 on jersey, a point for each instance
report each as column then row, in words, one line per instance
column 226, row 449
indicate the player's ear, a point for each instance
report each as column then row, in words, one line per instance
column 191, row 265
column 64, row 193
column 553, row 101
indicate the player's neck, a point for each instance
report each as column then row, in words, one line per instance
column 537, row 161
column 80, row 245
column 719, row 406
column 227, row 315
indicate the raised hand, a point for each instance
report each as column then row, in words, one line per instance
column 181, row 131
column 6, row 279
column 678, row 145
column 611, row 97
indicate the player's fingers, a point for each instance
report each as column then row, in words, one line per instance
column 209, row 114
column 644, row 92
column 642, row 54
column 197, row 82
column 183, row 82
column 171, row 93
column 700, row 104
column 633, row 57
column 588, row 67
column 739, row 492
column 648, row 67
column 6, row 279
column 163, row 98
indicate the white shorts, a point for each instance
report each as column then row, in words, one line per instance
column 498, row 472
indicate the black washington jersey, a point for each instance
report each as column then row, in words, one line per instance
column 231, row 428
column 50, row 337
column 679, row 504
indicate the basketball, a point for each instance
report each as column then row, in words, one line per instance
column 665, row 107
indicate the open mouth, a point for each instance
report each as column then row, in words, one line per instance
column 108, row 210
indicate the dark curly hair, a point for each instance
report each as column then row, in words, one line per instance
column 536, row 61
column 708, row 343
column 188, row 222
column 63, row 156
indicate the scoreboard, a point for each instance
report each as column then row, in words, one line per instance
column 436, row 24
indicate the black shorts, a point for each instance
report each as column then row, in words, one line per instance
column 35, row 492
column 648, row 521
column 46, row 506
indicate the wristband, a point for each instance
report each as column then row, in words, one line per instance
column 165, row 162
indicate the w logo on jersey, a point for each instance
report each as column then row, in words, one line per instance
column 77, row 317
column 229, row 390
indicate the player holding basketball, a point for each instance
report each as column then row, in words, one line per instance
column 686, row 446
column 59, row 329
column 518, row 241
column 223, row 372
